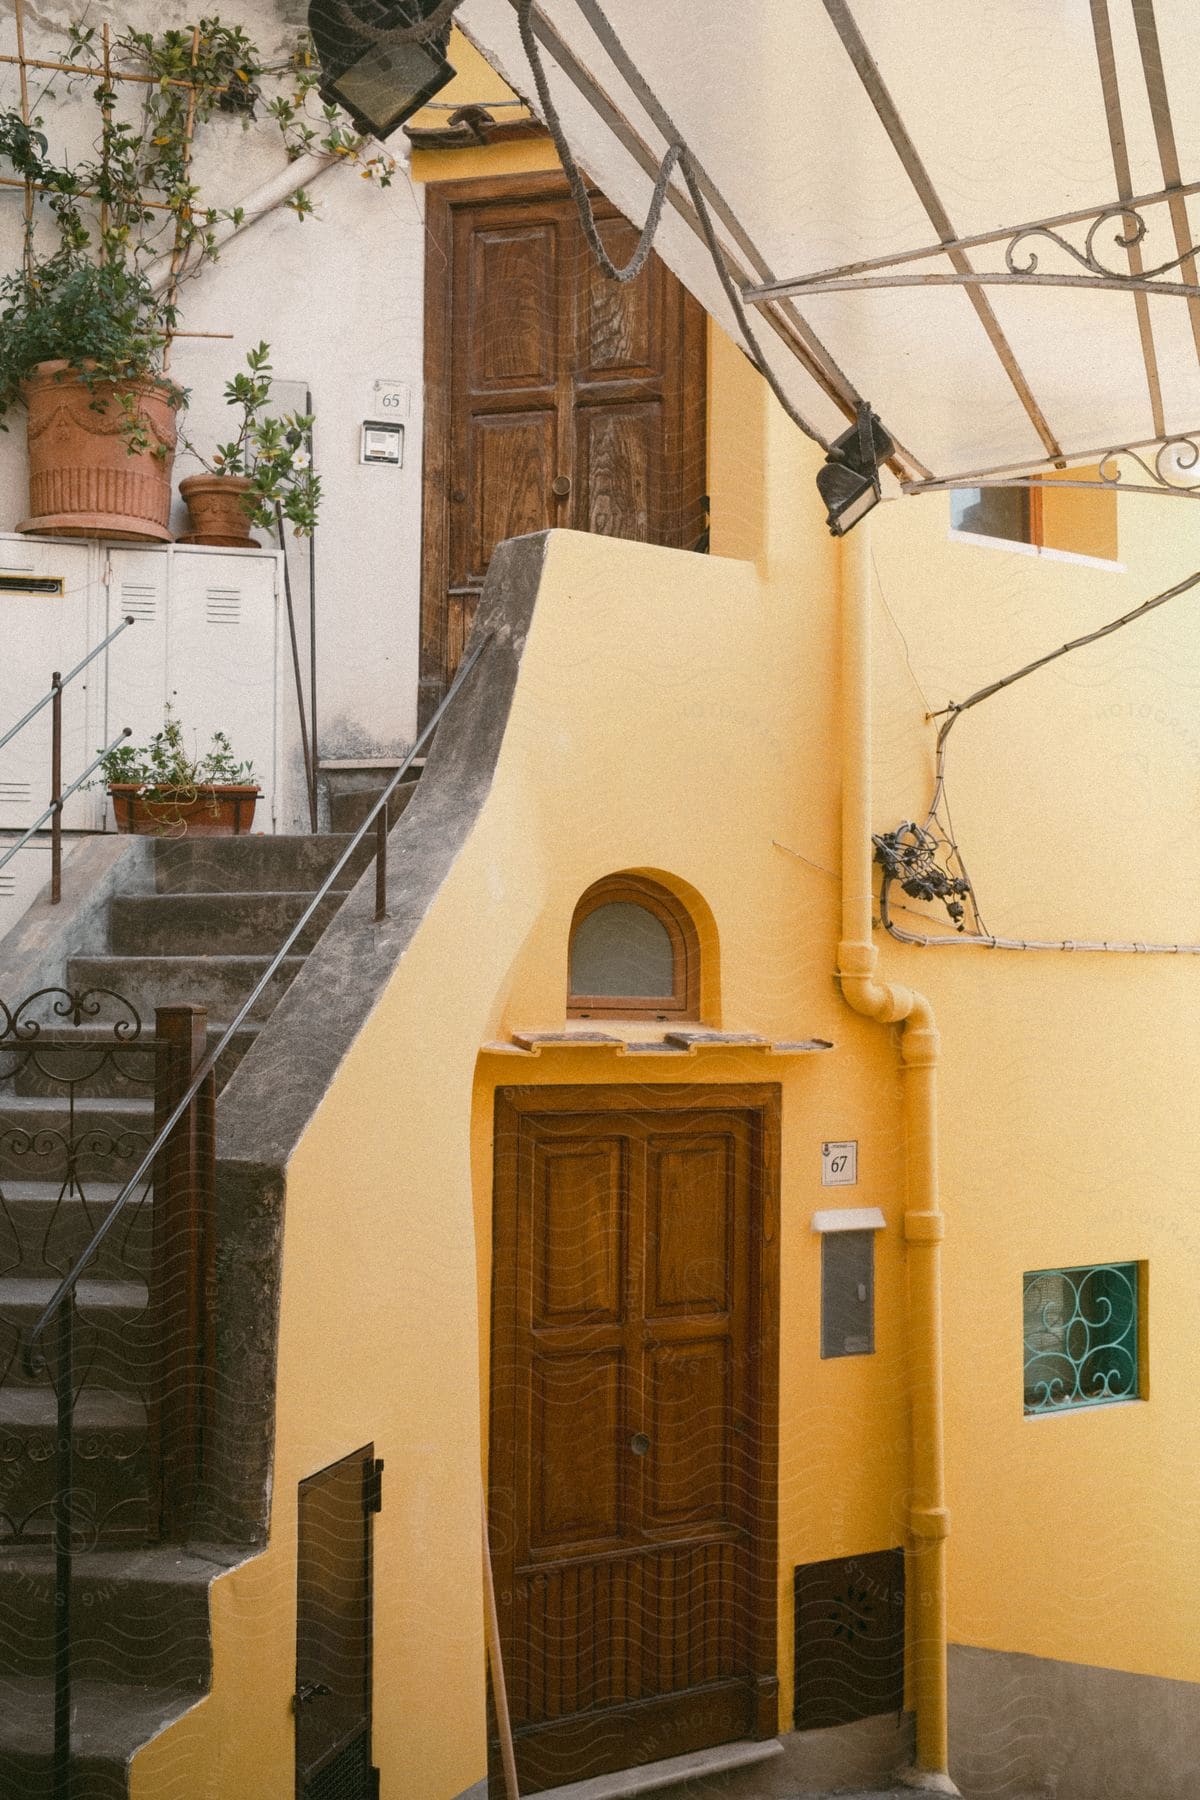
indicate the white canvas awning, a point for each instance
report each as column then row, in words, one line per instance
column 928, row 143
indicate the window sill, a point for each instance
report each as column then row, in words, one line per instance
column 639, row 1040
column 1040, row 550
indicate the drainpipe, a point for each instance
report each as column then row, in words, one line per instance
column 928, row 1521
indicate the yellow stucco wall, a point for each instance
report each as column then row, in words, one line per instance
column 638, row 659
column 1067, row 1114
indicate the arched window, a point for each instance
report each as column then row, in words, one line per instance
column 634, row 953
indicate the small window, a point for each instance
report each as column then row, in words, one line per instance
column 634, row 952
column 1081, row 1337
column 999, row 512
column 1054, row 516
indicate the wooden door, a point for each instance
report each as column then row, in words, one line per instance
column 553, row 396
column 332, row 1703
column 633, row 1441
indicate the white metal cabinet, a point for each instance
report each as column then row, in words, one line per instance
column 206, row 640
column 41, row 632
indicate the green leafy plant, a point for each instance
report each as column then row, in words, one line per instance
column 164, row 769
column 90, row 287
column 270, row 450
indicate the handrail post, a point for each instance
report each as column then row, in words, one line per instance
column 381, row 837
column 64, row 1372
column 182, row 1266
column 56, row 689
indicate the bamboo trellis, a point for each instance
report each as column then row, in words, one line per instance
column 24, row 63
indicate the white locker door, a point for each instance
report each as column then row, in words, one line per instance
column 221, row 658
column 40, row 632
column 22, row 880
column 206, row 641
column 137, row 660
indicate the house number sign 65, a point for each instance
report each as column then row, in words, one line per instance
column 839, row 1164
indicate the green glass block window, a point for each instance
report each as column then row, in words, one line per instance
column 1081, row 1337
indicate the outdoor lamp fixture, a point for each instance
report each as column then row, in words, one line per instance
column 379, row 83
column 848, row 482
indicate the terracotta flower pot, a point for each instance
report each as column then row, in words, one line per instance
column 186, row 812
column 83, row 481
column 214, row 503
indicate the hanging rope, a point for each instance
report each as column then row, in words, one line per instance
column 575, row 180
column 677, row 156
column 417, row 33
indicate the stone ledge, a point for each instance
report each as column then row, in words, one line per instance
column 651, row 1776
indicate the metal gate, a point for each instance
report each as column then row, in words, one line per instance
column 333, row 1631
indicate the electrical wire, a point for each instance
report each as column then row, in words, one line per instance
column 982, row 938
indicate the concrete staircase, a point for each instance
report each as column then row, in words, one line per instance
column 218, row 910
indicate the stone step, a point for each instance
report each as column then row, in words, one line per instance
column 677, row 1775
column 247, row 924
column 265, row 864
column 108, row 1723
column 115, row 1348
column 109, row 1136
column 139, row 1616
column 43, row 1229
column 350, row 802
column 221, row 983
column 111, row 1490
column 97, row 1067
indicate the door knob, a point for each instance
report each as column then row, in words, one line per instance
column 560, row 487
column 639, row 1443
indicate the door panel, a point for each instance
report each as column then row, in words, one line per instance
column 511, row 460
column 512, row 334
column 574, row 1485
column 623, row 320
column 554, row 397
column 578, row 1243
column 332, row 1703
column 620, row 485
column 632, row 1448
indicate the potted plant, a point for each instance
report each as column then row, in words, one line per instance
column 263, row 475
column 159, row 790
column 88, row 314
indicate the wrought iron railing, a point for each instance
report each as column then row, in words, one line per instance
column 178, row 1163
column 58, row 794
column 90, row 1449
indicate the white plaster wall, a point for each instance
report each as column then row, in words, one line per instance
column 339, row 298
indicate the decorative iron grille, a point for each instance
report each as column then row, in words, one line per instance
column 1081, row 1336
column 77, row 1080
column 348, row 1777
column 849, row 1636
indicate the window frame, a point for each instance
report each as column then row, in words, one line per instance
column 1035, row 544
column 1075, row 1402
column 683, row 1002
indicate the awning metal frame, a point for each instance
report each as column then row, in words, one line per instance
column 1168, row 458
column 858, row 276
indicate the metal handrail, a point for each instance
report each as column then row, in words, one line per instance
column 33, row 1358
column 60, row 682
column 56, row 806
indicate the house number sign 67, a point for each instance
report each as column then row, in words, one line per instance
column 839, row 1164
